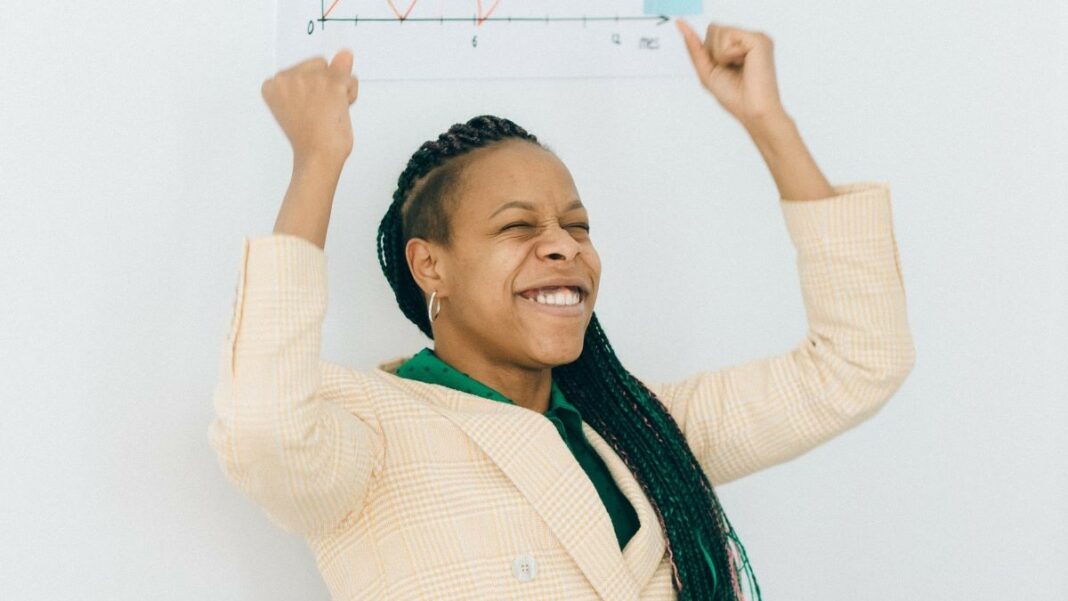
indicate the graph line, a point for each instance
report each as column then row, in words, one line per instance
column 327, row 11
column 660, row 19
column 478, row 18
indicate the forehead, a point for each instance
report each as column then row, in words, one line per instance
column 515, row 171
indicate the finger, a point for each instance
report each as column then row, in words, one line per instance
column 342, row 61
column 714, row 36
column 702, row 62
column 735, row 44
column 353, row 89
column 316, row 62
column 731, row 48
column 712, row 39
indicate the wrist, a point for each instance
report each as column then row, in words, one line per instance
column 769, row 127
column 775, row 137
column 320, row 163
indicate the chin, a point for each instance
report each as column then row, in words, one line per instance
column 558, row 351
column 553, row 338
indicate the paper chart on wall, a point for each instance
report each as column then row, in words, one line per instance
column 451, row 39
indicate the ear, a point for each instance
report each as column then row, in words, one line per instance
column 426, row 266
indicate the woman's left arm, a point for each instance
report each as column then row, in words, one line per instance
column 858, row 349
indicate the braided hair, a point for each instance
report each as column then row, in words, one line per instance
column 613, row 402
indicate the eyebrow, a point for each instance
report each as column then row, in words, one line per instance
column 520, row 204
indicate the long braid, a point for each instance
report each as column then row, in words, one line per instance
column 705, row 553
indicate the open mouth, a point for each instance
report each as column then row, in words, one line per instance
column 555, row 295
column 562, row 300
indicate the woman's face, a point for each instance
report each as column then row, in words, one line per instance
column 517, row 224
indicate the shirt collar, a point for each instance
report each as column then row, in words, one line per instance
column 426, row 366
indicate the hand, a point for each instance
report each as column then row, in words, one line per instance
column 736, row 66
column 311, row 101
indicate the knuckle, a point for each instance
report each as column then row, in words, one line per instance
column 312, row 64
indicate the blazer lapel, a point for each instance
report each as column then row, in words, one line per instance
column 529, row 450
column 645, row 549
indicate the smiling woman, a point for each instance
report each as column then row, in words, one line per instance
column 518, row 458
column 523, row 348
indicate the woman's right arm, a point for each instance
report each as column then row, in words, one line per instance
column 307, row 462
column 311, row 103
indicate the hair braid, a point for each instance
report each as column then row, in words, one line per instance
column 705, row 552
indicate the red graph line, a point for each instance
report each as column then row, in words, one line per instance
column 406, row 12
column 327, row 13
column 483, row 17
column 479, row 19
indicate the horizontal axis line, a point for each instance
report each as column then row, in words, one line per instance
column 660, row 18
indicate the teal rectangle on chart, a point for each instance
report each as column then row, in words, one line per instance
column 673, row 7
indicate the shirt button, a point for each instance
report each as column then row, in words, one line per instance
column 524, row 568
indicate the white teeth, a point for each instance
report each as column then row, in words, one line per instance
column 568, row 297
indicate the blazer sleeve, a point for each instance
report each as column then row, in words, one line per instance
column 855, row 355
column 307, row 462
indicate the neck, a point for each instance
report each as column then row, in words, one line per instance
column 527, row 387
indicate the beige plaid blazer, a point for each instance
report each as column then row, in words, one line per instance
column 408, row 490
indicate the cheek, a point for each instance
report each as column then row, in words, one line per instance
column 593, row 260
column 494, row 279
column 595, row 274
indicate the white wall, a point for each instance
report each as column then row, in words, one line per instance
column 135, row 152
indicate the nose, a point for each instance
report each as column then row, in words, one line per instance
column 556, row 243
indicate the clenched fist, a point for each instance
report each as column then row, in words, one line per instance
column 737, row 67
column 311, row 101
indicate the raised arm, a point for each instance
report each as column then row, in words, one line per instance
column 856, row 353
column 858, row 348
column 306, row 461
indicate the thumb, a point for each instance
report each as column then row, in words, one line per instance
column 342, row 61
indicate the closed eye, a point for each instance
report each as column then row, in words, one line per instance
column 584, row 226
column 510, row 226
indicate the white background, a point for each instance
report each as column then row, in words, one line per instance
column 135, row 152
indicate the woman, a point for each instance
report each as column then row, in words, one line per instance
column 518, row 458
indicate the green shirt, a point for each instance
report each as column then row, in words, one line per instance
column 427, row 367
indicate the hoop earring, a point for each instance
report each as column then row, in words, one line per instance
column 430, row 304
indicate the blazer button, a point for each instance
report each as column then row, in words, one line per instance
column 524, row 568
